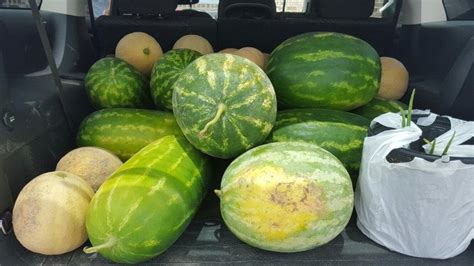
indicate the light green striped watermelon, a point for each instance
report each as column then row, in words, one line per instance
column 165, row 73
column 286, row 197
column 338, row 132
column 324, row 70
column 142, row 209
column 379, row 107
column 125, row 131
column 112, row 82
column 224, row 104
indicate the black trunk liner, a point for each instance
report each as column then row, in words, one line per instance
column 208, row 241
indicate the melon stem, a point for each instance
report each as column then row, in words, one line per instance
column 112, row 242
column 218, row 193
column 220, row 111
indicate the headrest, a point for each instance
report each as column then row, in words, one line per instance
column 260, row 9
column 343, row 9
column 144, row 7
column 188, row 2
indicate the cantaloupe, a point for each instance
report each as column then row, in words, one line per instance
column 93, row 164
column 194, row 42
column 266, row 57
column 394, row 82
column 253, row 55
column 228, row 51
column 140, row 50
column 50, row 213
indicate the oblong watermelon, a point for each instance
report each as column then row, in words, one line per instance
column 224, row 104
column 378, row 107
column 144, row 207
column 286, row 197
column 165, row 73
column 341, row 133
column 324, row 70
column 125, row 131
column 112, row 82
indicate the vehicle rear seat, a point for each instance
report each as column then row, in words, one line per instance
column 243, row 23
column 325, row 15
column 191, row 12
column 157, row 18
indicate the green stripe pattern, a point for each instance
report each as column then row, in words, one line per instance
column 144, row 207
column 286, row 197
column 338, row 132
column 379, row 107
column 125, row 131
column 165, row 73
column 112, row 82
column 224, row 104
column 324, row 70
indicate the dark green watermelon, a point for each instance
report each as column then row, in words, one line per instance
column 340, row 133
column 324, row 70
column 112, row 82
column 165, row 73
column 224, row 104
column 379, row 107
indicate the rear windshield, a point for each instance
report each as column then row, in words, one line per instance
column 211, row 6
column 16, row 3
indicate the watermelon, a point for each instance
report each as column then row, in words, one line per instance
column 112, row 82
column 378, row 107
column 144, row 207
column 165, row 73
column 338, row 132
column 125, row 131
column 286, row 197
column 224, row 104
column 324, row 70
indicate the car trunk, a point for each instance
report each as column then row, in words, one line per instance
column 39, row 127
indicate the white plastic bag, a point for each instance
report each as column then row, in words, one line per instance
column 420, row 208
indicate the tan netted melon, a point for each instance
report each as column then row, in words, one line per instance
column 228, row 51
column 194, row 42
column 50, row 213
column 93, row 164
column 394, row 82
column 253, row 55
column 140, row 50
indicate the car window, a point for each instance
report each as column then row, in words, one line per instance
column 100, row 7
column 208, row 6
column 459, row 9
column 16, row 3
column 292, row 6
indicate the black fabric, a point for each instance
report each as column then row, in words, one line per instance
column 260, row 9
column 344, row 9
column 267, row 34
column 188, row 2
column 192, row 13
column 167, row 31
column 143, row 7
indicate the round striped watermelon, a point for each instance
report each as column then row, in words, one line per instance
column 142, row 209
column 286, row 197
column 338, row 132
column 224, row 104
column 125, row 131
column 324, row 70
column 165, row 73
column 379, row 107
column 112, row 82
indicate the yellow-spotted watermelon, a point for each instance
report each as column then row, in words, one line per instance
column 286, row 197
